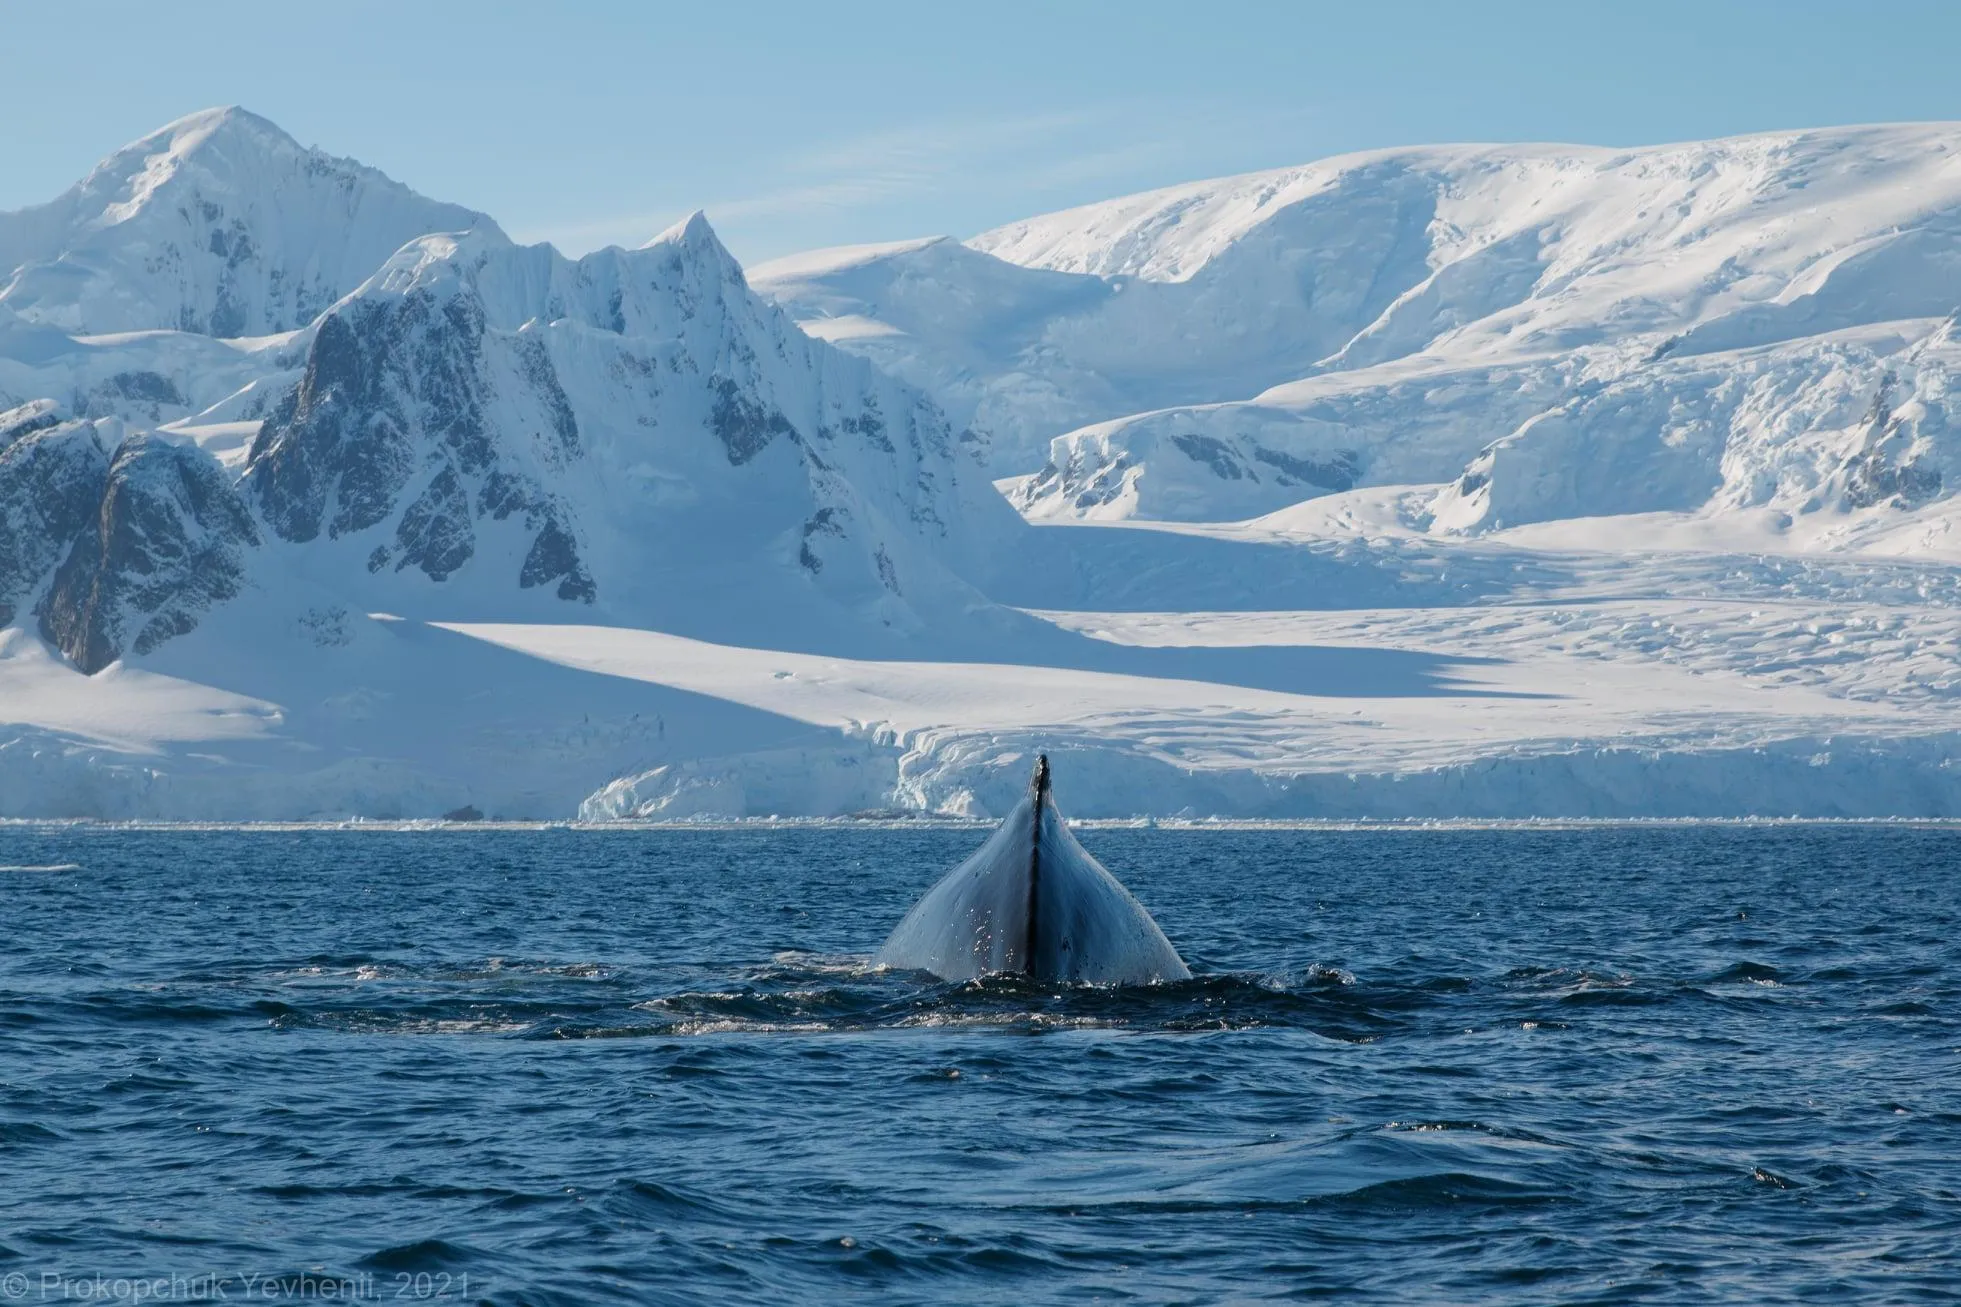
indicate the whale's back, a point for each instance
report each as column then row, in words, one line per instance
column 1033, row 900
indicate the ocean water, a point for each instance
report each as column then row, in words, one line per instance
column 1607, row 1064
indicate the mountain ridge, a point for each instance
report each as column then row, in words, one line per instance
column 218, row 223
column 1297, row 319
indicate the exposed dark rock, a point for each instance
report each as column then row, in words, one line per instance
column 745, row 427
column 397, row 386
column 468, row 812
column 327, row 628
column 1096, row 481
column 435, row 533
column 140, row 396
column 166, row 542
column 826, row 521
column 870, row 426
column 329, row 429
column 51, row 482
column 1214, row 453
column 1103, row 484
column 145, row 387
column 554, row 556
column 1880, row 415
column 1337, row 473
column 1886, row 469
column 536, row 366
column 227, row 315
column 1477, row 473
column 502, row 494
column 1874, row 478
column 341, row 447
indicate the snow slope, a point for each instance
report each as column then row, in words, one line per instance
column 218, row 223
column 1238, row 345
column 1826, row 425
column 1594, row 689
column 1385, row 677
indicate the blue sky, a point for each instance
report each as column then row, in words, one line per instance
column 820, row 123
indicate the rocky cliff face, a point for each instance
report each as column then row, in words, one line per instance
column 485, row 415
column 1169, row 468
column 166, row 542
column 115, row 543
column 392, row 426
column 52, row 474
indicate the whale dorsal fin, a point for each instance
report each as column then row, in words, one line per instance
column 1032, row 901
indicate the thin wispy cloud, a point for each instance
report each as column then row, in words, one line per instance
column 863, row 173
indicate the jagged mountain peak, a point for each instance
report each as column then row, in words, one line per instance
column 692, row 230
column 668, row 287
column 481, row 417
column 694, row 240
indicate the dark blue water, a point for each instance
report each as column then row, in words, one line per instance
column 1602, row 1065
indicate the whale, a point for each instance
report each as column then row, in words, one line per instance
column 1032, row 901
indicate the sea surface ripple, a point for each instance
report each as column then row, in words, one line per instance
column 563, row 1066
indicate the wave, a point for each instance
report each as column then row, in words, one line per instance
column 803, row 993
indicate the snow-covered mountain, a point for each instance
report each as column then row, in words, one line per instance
column 1452, row 481
column 1236, row 346
column 218, row 223
column 634, row 430
column 481, row 421
column 473, row 429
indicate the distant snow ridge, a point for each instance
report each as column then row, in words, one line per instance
column 219, row 224
column 1393, row 314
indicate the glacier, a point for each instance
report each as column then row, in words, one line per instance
column 1482, row 481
